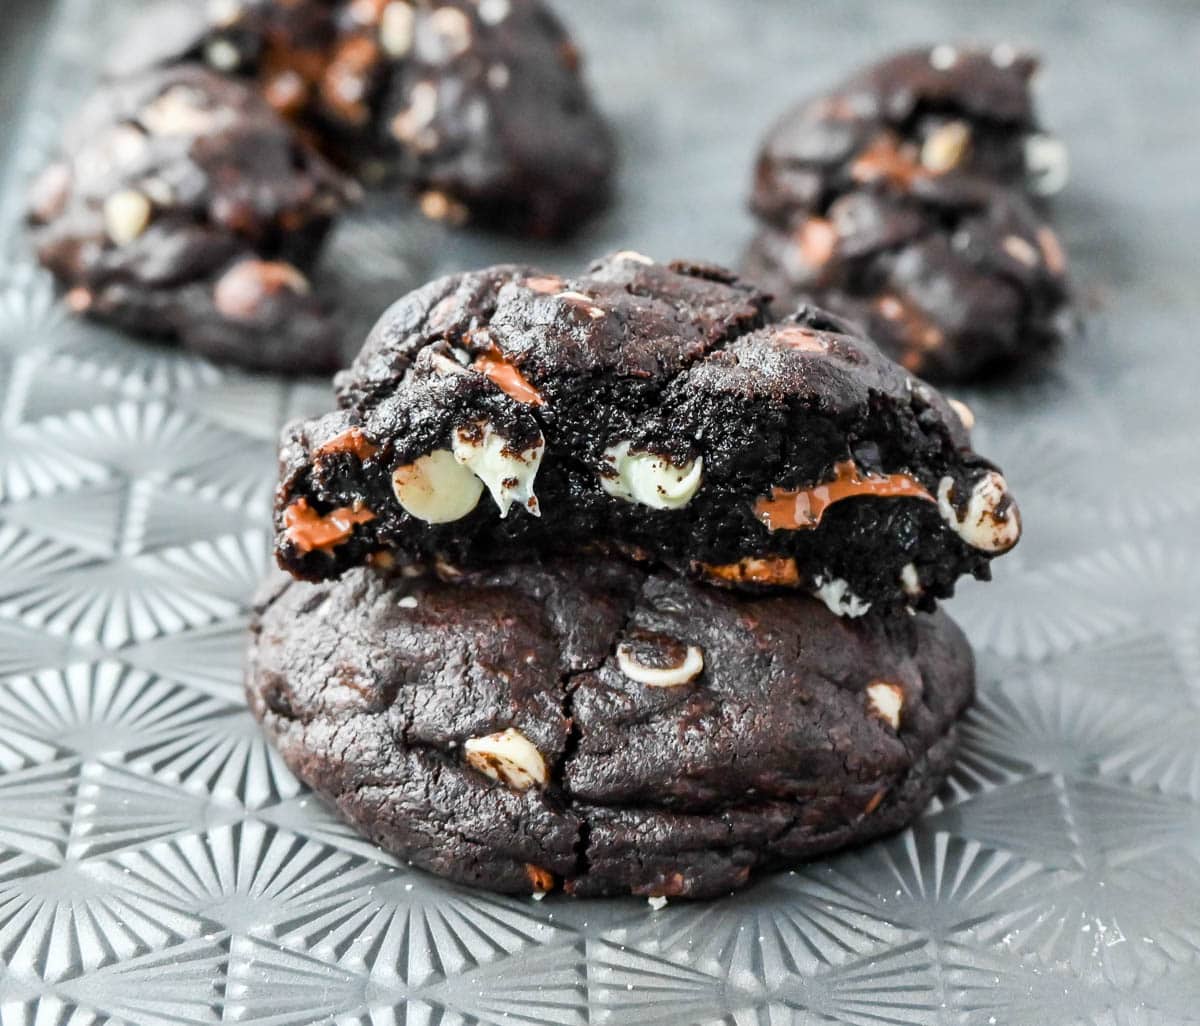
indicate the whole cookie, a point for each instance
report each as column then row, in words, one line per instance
column 184, row 207
column 648, row 409
column 902, row 199
column 476, row 106
column 598, row 728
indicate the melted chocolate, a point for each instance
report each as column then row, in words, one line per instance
column 778, row 571
column 507, row 378
column 351, row 440
column 802, row 339
column 308, row 530
column 799, row 509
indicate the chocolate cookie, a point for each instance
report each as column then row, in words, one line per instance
column 951, row 294
column 901, row 198
column 477, row 106
column 184, row 207
column 603, row 729
column 645, row 408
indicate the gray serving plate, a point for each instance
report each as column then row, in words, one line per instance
column 159, row 865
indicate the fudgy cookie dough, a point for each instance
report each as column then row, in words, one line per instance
column 902, row 199
column 601, row 729
column 647, row 408
column 477, row 106
column 184, row 207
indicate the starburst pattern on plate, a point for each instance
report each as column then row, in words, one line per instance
column 184, row 983
column 405, row 926
column 158, row 865
column 54, row 922
column 930, row 883
column 122, row 810
column 895, row 985
column 1055, row 727
column 37, row 808
column 30, row 464
column 786, row 926
column 94, row 526
column 114, row 602
column 136, row 439
column 207, row 659
column 23, row 650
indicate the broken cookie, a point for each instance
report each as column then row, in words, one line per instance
column 646, row 409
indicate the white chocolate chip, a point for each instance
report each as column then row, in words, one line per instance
column 660, row 676
column 633, row 256
column 222, row 55
column 839, row 599
column 1021, row 251
column 159, row 191
column 886, row 701
column 1003, row 55
column 1047, row 164
column 649, row 479
column 498, row 77
column 964, row 413
column 945, row 147
column 223, row 13
column 419, row 114
column 408, row 602
column 396, row 28
column 991, row 522
column 126, row 215
column 452, row 31
column 910, row 581
column 579, row 299
column 508, row 475
column 437, row 488
column 657, row 902
column 182, row 111
column 538, row 895
column 508, row 756
column 943, row 57
column 492, row 12
column 437, row 206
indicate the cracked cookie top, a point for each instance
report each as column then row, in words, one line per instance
column 530, row 726
column 649, row 409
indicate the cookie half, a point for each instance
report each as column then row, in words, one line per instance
column 649, row 409
column 600, row 729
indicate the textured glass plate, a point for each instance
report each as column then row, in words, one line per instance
column 159, row 865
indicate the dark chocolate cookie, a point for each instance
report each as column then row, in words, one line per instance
column 184, row 207
column 603, row 729
column 477, row 106
column 645, row 408
column 901, row 198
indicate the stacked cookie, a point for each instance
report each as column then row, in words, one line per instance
column 906, row 199
column 616, row 584
column 198, row 183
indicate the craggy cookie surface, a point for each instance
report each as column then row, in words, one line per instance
column 602, row 729
column 901, row 199
column 477, row 106
column 645, row 408
column 184, row 207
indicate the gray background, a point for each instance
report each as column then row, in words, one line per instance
column 159, row 865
